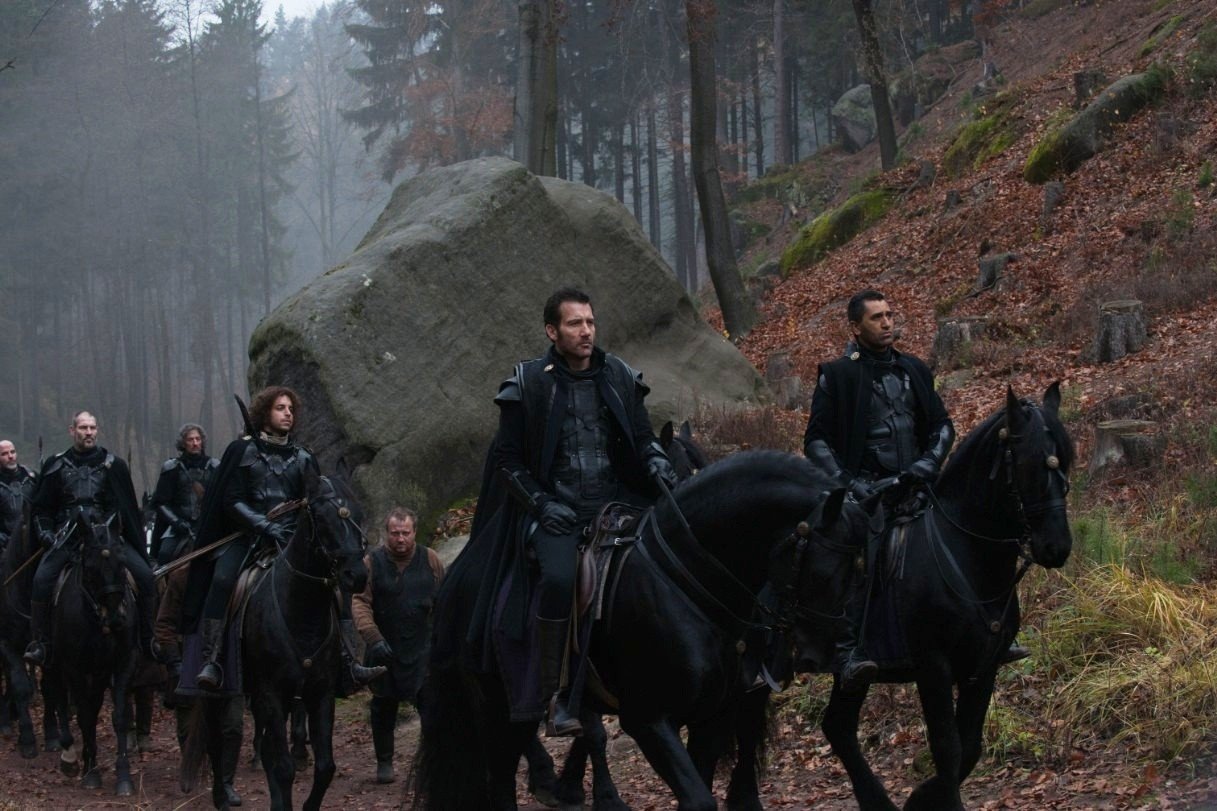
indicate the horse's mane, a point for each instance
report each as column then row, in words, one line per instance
column 755, row 466
column 977, row 448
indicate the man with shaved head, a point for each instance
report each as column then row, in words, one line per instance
column 86, row 486
column 16, row 487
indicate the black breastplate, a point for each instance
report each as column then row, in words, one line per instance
column 83, row 487
column 13, row 495
column 189, row 488
column 274, row 477
column 583, row 474
column 891, row 441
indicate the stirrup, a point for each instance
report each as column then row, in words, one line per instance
column 35, row 653
column 559, row 723
column 857, row 673
column 1013, row 653
column 362, row 675
column 211, row 676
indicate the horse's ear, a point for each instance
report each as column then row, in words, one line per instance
column 686, row 431
column 1052, row 398
column 665, row 435
column 1014, row 411
column 830, row 510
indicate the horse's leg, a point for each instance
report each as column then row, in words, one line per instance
column 595, row 743
column 321, row 731
column 708, row 741
column 88, row 706
column 20, row 691
column 840, row 727
column 660, row 742
column 276, row 759
column 940, row 792
column 505, row 744
column 300, row 735
column 123, row 786
column 744, row 792
column 55, row 732
column 970, row 709
column 542, row 781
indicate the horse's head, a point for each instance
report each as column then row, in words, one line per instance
column 686, row 456
column 1037, row 454
column 103, row 556
column 336, row 517
column 810, row 569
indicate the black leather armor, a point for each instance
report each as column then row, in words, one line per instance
column 891, row 431
column 270, row 478
column 82, row 486
column 583, row 474
column 188, row 483
column 16, row 487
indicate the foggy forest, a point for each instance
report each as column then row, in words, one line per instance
column 170, row 170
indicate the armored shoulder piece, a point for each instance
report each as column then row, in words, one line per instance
column 169, row 465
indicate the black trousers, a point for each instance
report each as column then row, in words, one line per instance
column 56, row 559
column 557, row 560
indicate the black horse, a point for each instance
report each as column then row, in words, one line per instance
column 999, row 505
column 290, row 642
column 94, row 645
column 17, row 573
column 673, row 646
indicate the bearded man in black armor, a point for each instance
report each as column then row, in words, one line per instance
column 875, row 418
column 573, row 434
column 16, row 488
column 178, row 499
column 257, row 474
column 83, row 487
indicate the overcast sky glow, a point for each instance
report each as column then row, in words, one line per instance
column 292, row 8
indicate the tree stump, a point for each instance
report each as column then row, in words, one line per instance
column 1121, row 330
column 1085, row 84
column 787, row 388
column 1131, row 443
column 954, row 337
column 1054, row 190
column 777, row 366
column 992, row 268
column 952, row 199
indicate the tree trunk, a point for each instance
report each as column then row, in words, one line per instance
column 781, row 96
column 758, row 123
column 680, row 188
column 738, row 313
column 873, row 57
column 619, row 161
column 536, row 107
column 793, row 62
column 743, row 129
column 636, row 167
column 653, row 179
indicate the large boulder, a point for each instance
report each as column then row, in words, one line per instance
column 854, row 117
column 398, row 351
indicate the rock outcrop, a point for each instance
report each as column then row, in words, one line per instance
column 398, row 351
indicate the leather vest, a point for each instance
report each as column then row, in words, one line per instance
column 891, row 430
column 190, row 483
column 15, row 491
column 83, row 486
column 401, row 608
column 583, row 473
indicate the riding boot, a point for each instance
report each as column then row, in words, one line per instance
column 145, row 605
column 551, row 637
column 382, row 739
column 212, row 632
column 37, row 652
column 228, row 766
column 1013, row 653
column 350, row 656
column 855, row 668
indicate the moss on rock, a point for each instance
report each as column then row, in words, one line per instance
column 976, row 142
column 836, row 227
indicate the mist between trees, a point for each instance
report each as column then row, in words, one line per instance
column 171, row 170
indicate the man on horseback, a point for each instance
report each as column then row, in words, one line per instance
column 573, row 434
column 393, row 614
column 82, row 487
column 875, row 418
column 16, row 488
column 257, row 474
column 178, row 499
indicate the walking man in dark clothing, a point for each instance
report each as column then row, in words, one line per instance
column 393, row 615
column 573, row 434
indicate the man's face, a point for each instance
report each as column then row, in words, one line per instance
column 281, row 418
column 8, row 455
column 84, row 433
column 399, row 536
column 193, row 443
column 876, row 330
column 575, row 334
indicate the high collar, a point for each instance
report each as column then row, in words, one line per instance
column 88, row 457
column 194, row 459
column 559, row 364
column 885, row 357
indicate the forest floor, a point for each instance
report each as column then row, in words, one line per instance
column 802, row 773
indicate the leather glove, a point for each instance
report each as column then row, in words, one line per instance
column 658, row 467
column 924, row 469
column 380, row 654
column 47, row 539
column 181, row 527
column 557, row 518
column 276, row 532
column 860, row 490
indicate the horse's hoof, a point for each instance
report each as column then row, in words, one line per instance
column 125, row 788
column 52, row 745
column 545, row 796
column 29, row 751
column 92, row 779
column 143, row 743
column 6, row 730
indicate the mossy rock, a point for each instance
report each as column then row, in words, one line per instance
column 1067, row 148
column 836, row 227
column 989, row 135
column 1160, row 36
